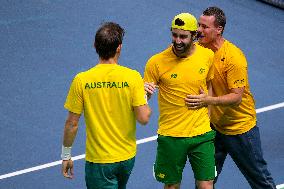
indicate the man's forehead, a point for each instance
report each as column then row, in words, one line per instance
column 207, row 18
column 180, row 31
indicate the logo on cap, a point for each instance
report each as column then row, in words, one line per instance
column 179, row 22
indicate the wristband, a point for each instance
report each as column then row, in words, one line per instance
column 66, row 153
column 146, row 98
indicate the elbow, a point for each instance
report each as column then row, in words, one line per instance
column 143, row 120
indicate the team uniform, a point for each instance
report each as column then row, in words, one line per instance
column 231, row 72
column 180, row 128
column 107, row 98
column 237, row 133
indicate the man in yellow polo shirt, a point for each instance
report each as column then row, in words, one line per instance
column 182, row 68
column 233, row 112
column 112, row 98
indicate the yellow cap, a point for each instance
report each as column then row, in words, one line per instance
column 184, row 21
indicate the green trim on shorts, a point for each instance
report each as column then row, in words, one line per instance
column 173, row 152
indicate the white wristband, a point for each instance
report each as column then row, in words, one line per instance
column 66, row 153
column 146, row 98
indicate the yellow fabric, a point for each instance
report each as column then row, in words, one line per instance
column 184, row 21
column 231, row 72
column 177, row 77
column 107, row 93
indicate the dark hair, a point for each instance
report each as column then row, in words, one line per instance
column 220, row 18
column 108, row 37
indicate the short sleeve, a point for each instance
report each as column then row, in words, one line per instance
column 138, row 91
column 210, row 74
column 151, row 73
column 237, row 75
column 74, row 100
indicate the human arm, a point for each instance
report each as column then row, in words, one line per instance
column 151, row 77
column 142, row 113
column 70, row 131
column 235, row 78
column 150, row 89
column 140, row 106
column 233, row 98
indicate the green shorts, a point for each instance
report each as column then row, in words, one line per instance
column 172, row 154
column 108, row 175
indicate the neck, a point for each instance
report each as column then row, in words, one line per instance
column 109, row 61
column 113, row 60
column 216, row 44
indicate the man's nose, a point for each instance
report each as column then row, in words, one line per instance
column 178, row 40
column 199, row 29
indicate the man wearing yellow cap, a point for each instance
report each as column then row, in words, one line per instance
column 181, row 69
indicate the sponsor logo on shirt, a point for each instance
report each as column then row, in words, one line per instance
column 104, row 84
column 202, row 70
column 239, row 81
column 174, row 76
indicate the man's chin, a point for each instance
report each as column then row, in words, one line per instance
column 202, row 41
column 179, row 52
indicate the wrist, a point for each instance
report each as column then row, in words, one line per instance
column 66, row 153
column 146, row 98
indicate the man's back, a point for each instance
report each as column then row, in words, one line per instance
column 107, row 93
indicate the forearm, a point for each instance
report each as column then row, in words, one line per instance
column 230, row 99
column 142, row 114
column 70, row 131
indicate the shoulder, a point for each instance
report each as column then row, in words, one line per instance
column 128, row 71
column 205, row 54
column 234, row 55
column 232, row 49
column 204, row 50
column 161, row 55
column 85, row 73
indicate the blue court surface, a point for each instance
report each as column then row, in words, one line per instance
column 44, row 43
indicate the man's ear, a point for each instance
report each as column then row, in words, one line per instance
column 118, row 50
column 220, row 29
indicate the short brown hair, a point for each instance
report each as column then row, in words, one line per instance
column 220, row 17
column 108, row 37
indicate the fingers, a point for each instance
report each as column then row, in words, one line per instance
column 194, row 102
column 194, row 106
column 192, row 97
column 150, row 88
column 71, row 172
column 67, row 169
column 66, row 175
column 201, row 90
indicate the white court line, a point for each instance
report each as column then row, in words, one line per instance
column 268, row 108
column 141, row 141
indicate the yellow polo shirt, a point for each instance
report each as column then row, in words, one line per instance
column 107, row 94
column 231, row 72
column 177, row 77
